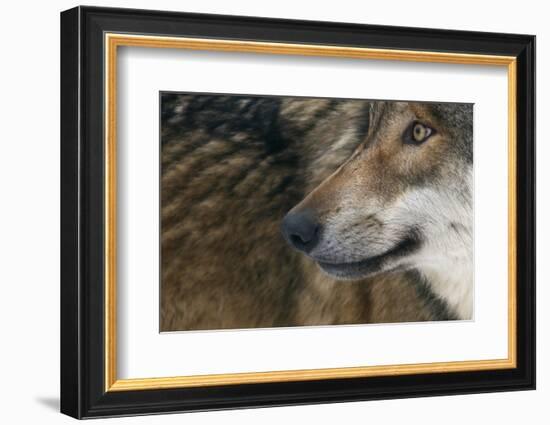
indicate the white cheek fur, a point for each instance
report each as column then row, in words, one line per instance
column 446, row 256
column 443, row 215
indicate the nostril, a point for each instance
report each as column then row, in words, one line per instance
column 297, row 240
column 301, row 230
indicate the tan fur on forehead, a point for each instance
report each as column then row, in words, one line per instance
column 383, row 164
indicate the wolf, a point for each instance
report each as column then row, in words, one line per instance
column 232, row 166
column 402, row 202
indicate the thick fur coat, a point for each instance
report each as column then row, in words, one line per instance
column 232, row 167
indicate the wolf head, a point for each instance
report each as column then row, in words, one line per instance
column 403, row 199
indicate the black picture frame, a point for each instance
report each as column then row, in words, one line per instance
column 83, row 392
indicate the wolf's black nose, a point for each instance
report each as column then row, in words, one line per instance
column 301, row 230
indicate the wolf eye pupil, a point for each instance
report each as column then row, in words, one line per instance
column 419, row 132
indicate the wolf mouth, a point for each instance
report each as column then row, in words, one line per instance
column 371, row 265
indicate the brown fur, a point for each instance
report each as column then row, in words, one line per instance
column 224, row 263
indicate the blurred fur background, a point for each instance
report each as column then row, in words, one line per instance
column 232, row 166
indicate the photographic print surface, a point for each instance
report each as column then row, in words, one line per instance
column 293, row 211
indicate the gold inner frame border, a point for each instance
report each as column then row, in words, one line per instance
column 111, row 43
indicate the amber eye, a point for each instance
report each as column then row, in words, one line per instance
column 417, row 133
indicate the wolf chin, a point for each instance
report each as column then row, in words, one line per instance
column 401, row 202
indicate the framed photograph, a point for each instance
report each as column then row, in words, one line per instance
column 261, row 212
